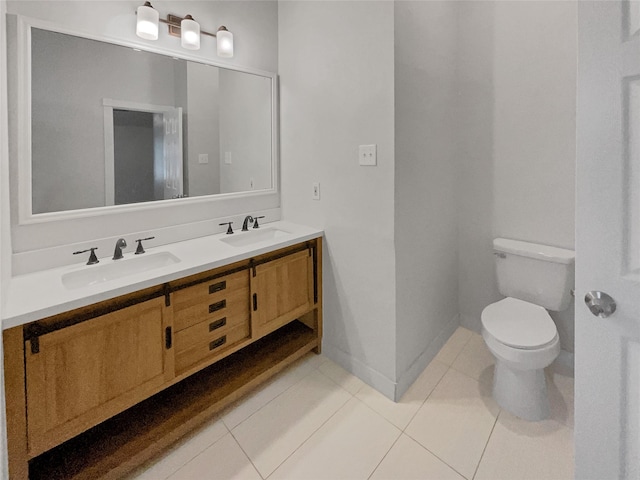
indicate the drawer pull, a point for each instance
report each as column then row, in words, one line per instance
column 255, row 302
column 214, row 307
column 216, row 325
column 217, row 343
column 168, row 340
column 217, row 287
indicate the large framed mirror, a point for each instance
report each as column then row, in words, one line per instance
column 105, row 126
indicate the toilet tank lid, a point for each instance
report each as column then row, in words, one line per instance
column 534, row 250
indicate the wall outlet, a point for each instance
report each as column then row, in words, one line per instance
column 316, row 191
column 227, row 158
column 367, row 155
column 203, row 158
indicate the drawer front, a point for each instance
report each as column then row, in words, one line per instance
column 210, row 347
column 208, row 301
column 210, row 329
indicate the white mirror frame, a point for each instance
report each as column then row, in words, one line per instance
column 25, row 207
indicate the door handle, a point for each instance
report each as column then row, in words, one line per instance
column 600, row 304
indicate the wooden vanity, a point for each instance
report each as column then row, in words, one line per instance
column 98, row 391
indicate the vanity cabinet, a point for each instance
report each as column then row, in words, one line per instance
column 282, row 290
column 80, row 375
column 97, row 391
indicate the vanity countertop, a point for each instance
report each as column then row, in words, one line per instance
column 42, row 294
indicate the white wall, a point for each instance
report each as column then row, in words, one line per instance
column 517, row 74
column 425, row 182
column 254, row 24
column 337, row 92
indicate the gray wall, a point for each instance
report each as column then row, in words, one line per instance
column 337, row 92
column 517, row 77
column 425, row 182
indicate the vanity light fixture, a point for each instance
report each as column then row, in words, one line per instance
column 186, row 28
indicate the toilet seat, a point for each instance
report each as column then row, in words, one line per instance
column 519, row 324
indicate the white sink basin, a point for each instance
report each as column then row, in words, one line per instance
column 115, row 269
column 242, row 239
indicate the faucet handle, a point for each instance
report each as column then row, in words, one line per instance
column 140, row 249
column 92, row 258
column 255, row 222
column 229, row 230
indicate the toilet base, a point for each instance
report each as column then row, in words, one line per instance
column 521, row 392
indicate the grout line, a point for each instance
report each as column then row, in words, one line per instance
column 486, row 444
column 247, row 455
column 432, row 453
column 384, row 456
column 426, row 398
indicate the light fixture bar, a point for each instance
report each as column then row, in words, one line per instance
column 173, row 22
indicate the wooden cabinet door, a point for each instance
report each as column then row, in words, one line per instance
column 281, row 290
column 83, row 374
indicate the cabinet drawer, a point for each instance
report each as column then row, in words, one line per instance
column 223, row 297
column 210, row 329
column 211, row 346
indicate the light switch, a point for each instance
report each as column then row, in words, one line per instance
column 203, row 158
column 227, row 158
column 367, row 155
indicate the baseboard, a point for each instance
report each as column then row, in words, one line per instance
column 413, row 372
column 470, row 323
column 365, row 373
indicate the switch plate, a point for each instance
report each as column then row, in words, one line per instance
column 227, row 158
column 203, row 158
column 367, row 155
column 316, row 191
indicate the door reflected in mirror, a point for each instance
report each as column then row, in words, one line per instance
column 112, row 125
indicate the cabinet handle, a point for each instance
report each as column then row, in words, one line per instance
column 255, row 302
column 217, row 343
column 214, row 307
column 167, row 338
column 216, row 325
column 217, row 287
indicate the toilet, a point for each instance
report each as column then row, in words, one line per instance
column 518, row 330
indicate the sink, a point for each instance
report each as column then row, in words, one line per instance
column 113, row 270
column 242, row 239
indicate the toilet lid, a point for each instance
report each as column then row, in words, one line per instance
column 519, row 324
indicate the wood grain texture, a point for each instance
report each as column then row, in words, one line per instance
column 16, row 408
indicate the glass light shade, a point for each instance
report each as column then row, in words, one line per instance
column 190, row 33
column 147, row 23
column 225, row 43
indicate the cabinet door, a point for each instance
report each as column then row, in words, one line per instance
column 282, row 290
column 88, row 372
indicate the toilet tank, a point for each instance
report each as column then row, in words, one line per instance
column 535, row 273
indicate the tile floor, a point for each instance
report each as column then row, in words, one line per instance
column 317, row 421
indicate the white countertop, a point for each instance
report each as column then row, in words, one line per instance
column 42, row 294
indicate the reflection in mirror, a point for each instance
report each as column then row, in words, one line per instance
column 111, row 125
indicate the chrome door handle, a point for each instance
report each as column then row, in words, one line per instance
column 600, row 304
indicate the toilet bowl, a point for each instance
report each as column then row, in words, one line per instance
column 524, row 340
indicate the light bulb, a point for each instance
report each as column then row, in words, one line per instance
column 190, row 33
column 147, row 23
column 225, row 42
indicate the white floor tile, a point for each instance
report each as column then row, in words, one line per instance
column 224, row 460
column 561, row 398
column 280, row 427
column 401, row 413
column 455, row 422
column 519, row 450
column 183, row 452
column 349, row 446
column 454, row 346
column 250, row 404
column 346, row 380
column 476, row 360
column 409, row 460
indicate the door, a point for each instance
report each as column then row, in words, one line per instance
column 281, row 290
column 607, row 397
column 80, row 375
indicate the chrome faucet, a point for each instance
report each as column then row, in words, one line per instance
column 120, row 244
column 245, row 227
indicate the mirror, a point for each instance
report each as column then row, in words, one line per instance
column 114, row 125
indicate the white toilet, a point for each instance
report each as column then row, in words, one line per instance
column 518, row 330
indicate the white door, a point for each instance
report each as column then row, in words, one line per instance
column 607, row 396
